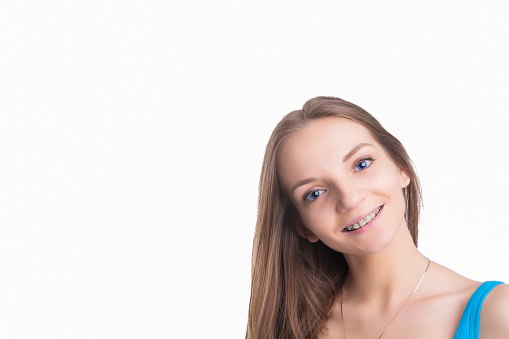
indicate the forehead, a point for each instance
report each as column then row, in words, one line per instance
column 320, row 143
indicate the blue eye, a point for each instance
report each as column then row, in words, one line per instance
column 363, row 164
column 313, row 195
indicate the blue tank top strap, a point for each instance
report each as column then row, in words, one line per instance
column 469, row 323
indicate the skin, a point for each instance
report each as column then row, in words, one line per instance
column 385, row 266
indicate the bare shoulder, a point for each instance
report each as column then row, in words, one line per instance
column 494, row 321
column 448, row 282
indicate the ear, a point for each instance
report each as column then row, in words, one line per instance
column 306, row 234
column 404, row 179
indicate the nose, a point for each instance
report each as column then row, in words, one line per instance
column 350, row 195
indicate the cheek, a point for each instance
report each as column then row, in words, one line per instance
column 382, row 181
column 386, row 182
column 310, row 219
column 396, row 192
column 316, row 219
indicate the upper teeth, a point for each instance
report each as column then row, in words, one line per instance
column 364, row 221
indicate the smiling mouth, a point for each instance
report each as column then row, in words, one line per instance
column 364, row 221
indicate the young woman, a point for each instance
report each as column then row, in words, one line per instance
column 335, row 250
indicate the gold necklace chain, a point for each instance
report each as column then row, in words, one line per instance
column 381, row 335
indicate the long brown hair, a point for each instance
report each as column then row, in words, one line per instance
column 295, row 282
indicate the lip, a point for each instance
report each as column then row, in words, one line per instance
column 361, row 217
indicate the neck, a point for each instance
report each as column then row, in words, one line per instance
column 386, row 277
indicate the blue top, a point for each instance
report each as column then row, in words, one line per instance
column 469, row 323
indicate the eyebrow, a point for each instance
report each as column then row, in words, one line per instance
column 302, row 182
column 345, row 159
column 355, row 150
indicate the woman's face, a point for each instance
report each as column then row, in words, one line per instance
column 346, row 189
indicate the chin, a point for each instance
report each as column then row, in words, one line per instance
column 376, row 244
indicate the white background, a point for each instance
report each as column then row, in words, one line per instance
column 132, row 135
